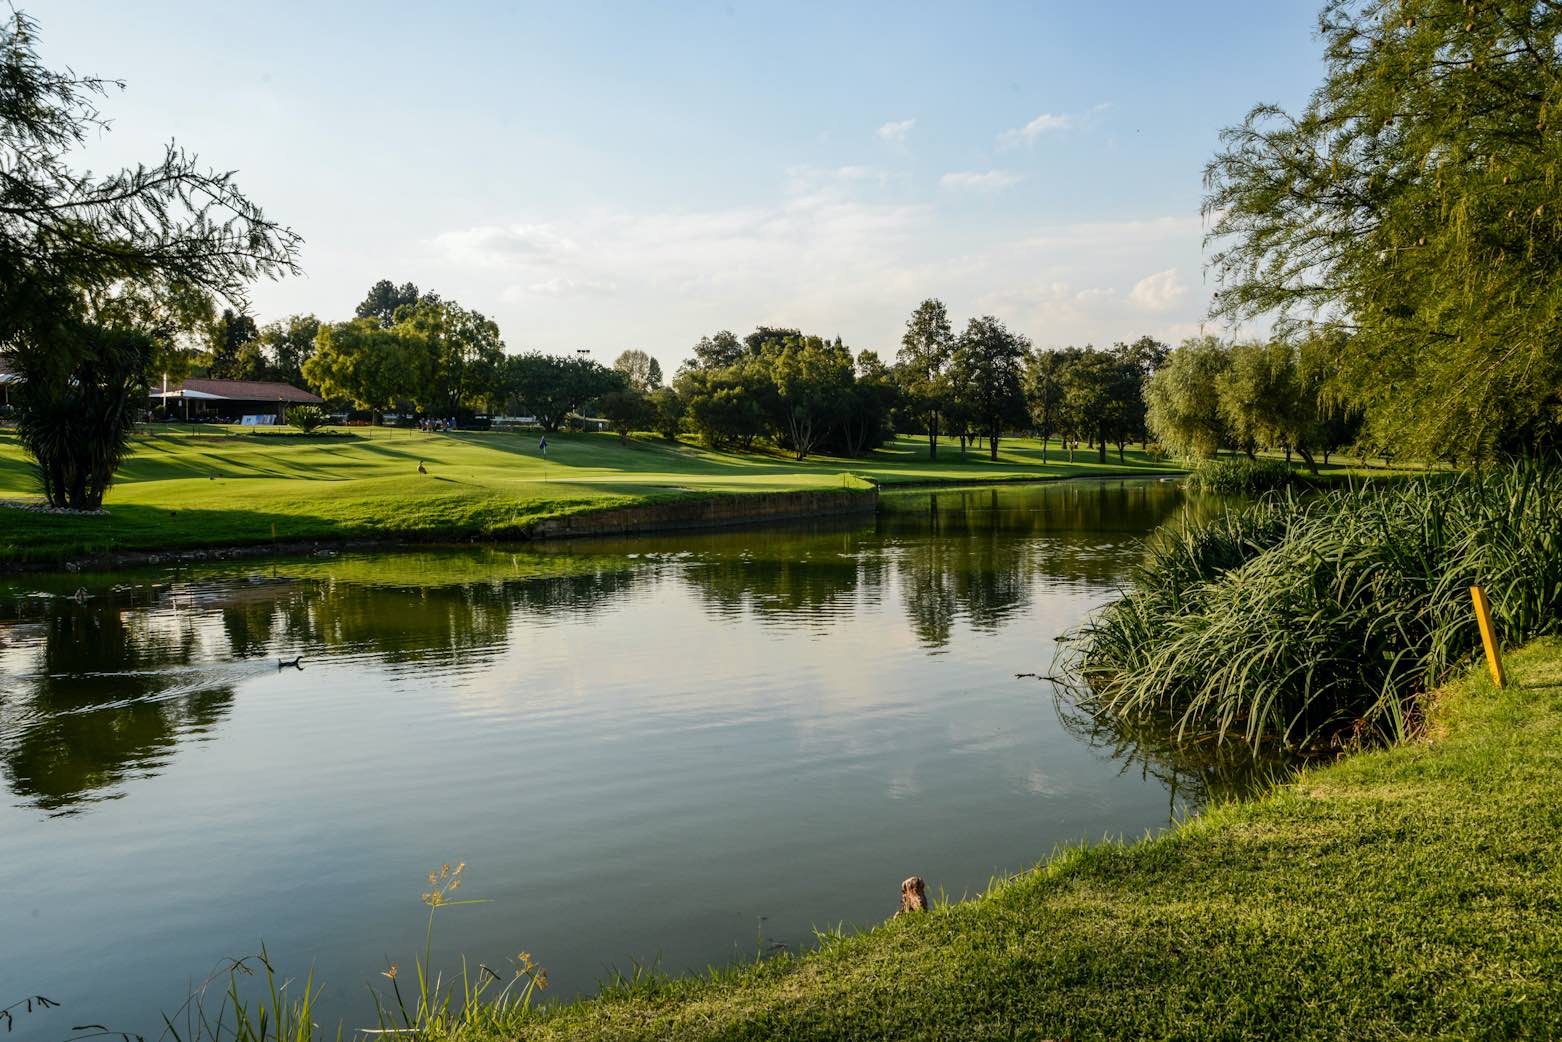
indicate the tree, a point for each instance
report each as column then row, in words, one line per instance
column 721, row 407
column 287, row 344
column 1147, row 354
column 79, row 429
column 874, row 395
column 1044, row 372
column 1184, row 398
column 719, row 351
column 812, row 380
column 230, row 334
column 1259, row 396
column 769, row 338
column 643, row 371
column 71, row 243
column 669, row 411
column 923, row 365
column 627, row 411
column 368, row 365
column 550, row 387
column 1101, row 393
column 465, row 353
column 1410, row 206
column 385, row 298
column 990, row 362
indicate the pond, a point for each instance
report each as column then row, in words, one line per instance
column 675, row 751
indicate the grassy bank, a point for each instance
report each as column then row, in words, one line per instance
column 221, row 488
column 1346, row 605
column 1409, row 892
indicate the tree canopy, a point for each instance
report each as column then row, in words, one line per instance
column 85, row 257
column 1409, row 209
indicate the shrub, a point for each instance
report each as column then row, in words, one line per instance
column 1157, row 452
column 1311, row 622
column 1240, row 475
column 307, row 418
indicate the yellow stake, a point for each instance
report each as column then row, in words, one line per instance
column 1488, row 636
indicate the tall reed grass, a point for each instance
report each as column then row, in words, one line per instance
column 1310, row 622
column 1238, row 475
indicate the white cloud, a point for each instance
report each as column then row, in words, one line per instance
column 895, row 131
column 492, row 244
column 1046, row 123
column 987, row 180
column 828, row 249
column 559, row 286
column 1159, row 292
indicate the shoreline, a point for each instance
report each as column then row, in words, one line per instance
column 694, row 511
column 1180, row 934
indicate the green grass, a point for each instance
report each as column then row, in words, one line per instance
column 222, row 488
column 1413, row 892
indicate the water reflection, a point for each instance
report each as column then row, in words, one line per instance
column 103, row 695
column 101, row 686
column 644, row 747
column 1195, row 774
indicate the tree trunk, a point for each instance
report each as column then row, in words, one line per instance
column 932, row 436
column 1307, row 458
column 992, row 446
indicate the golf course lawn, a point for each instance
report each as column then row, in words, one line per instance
column 231, row 487
column 1413, row 892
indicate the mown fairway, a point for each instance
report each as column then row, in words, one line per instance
column 219, row 487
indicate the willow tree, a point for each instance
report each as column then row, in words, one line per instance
column 1409, row 211
column 73, row 245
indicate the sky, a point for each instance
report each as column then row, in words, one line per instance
column 613, row 176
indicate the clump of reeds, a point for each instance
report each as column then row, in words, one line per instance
column 1310, row 622
column 1239, row 475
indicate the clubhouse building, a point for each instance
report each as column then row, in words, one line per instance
column 251, row 402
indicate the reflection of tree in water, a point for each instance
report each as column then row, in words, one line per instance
column 810, row 587
column 119, row 680
column 104, row 705
column 804, row 576
column 979, row 553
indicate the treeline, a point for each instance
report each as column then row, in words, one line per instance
column 411, row 352
column 1210, row 395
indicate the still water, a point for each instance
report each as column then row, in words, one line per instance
column 676, row 750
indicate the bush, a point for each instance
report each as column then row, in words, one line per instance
column 1157, row 452
column 307, row 418
column 1310, row 623
column 1240, row 475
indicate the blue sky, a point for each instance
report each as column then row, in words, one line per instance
column 638, row 175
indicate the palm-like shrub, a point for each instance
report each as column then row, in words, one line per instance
column 1308, row 622
column 307, row 418
column 76, row 405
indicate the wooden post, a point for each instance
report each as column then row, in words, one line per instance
column 1488, row 636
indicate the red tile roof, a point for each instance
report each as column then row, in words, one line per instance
column 251, row 391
